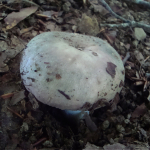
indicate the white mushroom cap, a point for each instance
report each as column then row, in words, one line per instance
column 71, row 71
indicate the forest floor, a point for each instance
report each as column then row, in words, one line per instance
column 124, row 125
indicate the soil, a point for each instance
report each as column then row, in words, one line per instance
column 27, row 124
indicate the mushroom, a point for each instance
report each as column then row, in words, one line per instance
column 73, row 72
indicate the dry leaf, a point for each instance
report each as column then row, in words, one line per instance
column 18, row 96
column 15, row 17
column 115, row 102
column 139, row 111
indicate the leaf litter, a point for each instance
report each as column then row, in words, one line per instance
column 21, row 113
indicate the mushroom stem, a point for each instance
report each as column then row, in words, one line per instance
column 81, row 115
column 126, row 58
column 89, row 122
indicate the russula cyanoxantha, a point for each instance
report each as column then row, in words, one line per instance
column 71, row 71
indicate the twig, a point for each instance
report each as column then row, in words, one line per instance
column 130, row 24
column 146, row 58
column 107, row 37
column 140, row 2
column 127, row 23
column 1, row 5
column 110, row 10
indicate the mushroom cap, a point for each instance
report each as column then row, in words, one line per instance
column 71, row 71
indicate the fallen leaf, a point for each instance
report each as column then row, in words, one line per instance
column 15, row 17
column 8, row 88
column 6, row 78
column 18, row 96
column 139, row 111
column 115, row 102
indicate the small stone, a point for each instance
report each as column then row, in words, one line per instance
column 81, row 143
column 111, row 141
column 25, row 127
column 66, row 6
column 119, row 108
column 120, row 118
column 121, row 135
column 116, row 140
column 105, row 124
column 120, row 128
column 126, row 121
column 124, row 4
column 121, row 44
column 135, row 43
column 128, row 116
column 139, row 34
column 48, row 143
column 74, row 28
column 33, row 139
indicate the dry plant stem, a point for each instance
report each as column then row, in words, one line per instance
column 146, row 58
column 127, row 23
column 5, row 96
column 1, row 5
column 41, row 22
column 14, row 112
column 44, row 16
column 107, row 37
column 25, row 30
column 38, row 142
